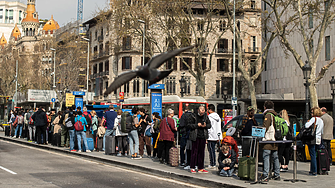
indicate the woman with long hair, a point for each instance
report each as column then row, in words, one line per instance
column 121, row 137
column 284, row 149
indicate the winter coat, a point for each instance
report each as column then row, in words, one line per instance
column 267, row 123
column 167, row 131
column 57, row 126
column 40, row 118
column 327, row 127
column 195, row 130
column 214, row 133
column 95, row 123
column 247, row 130
column 319, row 130
column 183, row 121
column 227, row 161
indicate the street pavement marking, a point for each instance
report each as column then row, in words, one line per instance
column 86, row 160
column 5, row 169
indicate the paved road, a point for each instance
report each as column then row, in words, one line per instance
column 23, row 166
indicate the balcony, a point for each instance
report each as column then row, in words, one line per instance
column 105, row 74
column 226, row 51
column 253, row 49
column 125, row 49
column 101, row 38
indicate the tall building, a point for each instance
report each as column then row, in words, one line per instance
column 11, row 13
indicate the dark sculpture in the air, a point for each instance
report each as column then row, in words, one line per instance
column 148, row 71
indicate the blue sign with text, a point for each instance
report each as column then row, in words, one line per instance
column 79, row 102
column 157, row 86
column 156, row 103
column 78, row 93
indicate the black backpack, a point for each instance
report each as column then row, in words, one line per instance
column 290, row 134
column 88, row 119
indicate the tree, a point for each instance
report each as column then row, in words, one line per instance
column 298, row 20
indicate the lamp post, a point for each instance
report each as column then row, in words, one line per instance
column 307, row 72
column 225, row 93
column 332, row 87
column 182, row 82
column 54, row 72
column 88, row 66
column 143, row 22
column 234, row 59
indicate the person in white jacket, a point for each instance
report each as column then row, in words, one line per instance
column 214, row 134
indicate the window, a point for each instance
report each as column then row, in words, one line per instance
column 222, row 65
column 107, row 48
column 327, row 50
column 127, row 43
column 253, row 47
column 217, row 88
column 223, row 25
column 253, row 5
column 126, row 63
column 203, row 63
column 146, row 60
column 101, row 67
column 200, row 11
column 310, row 18
column 183, row 61
column 145, row 86
column 106, row 66
column 171, row 64
column 95, row 69
column 265, row 87
column 126, row 88
column 20, row 16
column 228, row 82
column 238, row 25
column 188, row 85
column 200, row 25
column 96, row 35
column 223, row 46
column 6, row 16
column 106, row 85
column 171, row 85
column 264, row 6
column 136, row 86
column 10, row 17
column 265, row 65
column 1, row 15
column 236, row 65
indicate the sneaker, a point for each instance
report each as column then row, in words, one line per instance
column 196, row 167
column 79, row 151
column 211, row 167
column 30, row 141
column 182, row 165
column 88, row 151
column 203, row 171
column 187, row 168
column 136, row 157
column 277, row 178
column 125, row 154
column 264, row 179
column 313, row 174
column 19, row 136
column 73, row 150
column 193, row 171
column 119, row 155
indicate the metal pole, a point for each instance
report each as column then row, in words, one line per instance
column 306, row 105
column 234, row 58
column 54, row 86
column 333, row 95
column 143, row 56
column 88, row 68
column 15, row 104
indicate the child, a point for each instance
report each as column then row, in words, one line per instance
column 227, row 161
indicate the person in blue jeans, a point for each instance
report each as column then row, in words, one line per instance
column 19, row 125
column 133, row 136
column 214, row 134
column 111, row 124
column 81, row 134
column 227, row 160
column 184, row 137
column 313, row 145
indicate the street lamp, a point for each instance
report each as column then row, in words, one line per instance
column 88, row 67
column 332, row 87
column 182, row 82
column 54, row 72
column 307, row 72
column 225, row 93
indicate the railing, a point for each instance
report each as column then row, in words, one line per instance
column 253, row 49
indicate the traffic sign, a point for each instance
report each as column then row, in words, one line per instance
column 53, row 100
column 234, row 101
column 121, row 96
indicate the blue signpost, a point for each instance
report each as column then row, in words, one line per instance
column 156, row 98
column 79, row 101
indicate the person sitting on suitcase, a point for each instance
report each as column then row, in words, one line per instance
column 227, row 160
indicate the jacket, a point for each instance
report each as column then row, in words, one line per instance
column 195, row 130
column 83, row 121
column 214, row 133
column 327, row 127
column 183, row 124
column 319, row 130
column 268, row 124
column 118, row 131
column 167, row 131
column 144, row 124
column 95, row 123
column 40, row 118
column 57, row 126
column 227, row 161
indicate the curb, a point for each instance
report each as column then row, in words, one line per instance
column 161, row 173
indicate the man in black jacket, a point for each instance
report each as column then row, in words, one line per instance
column 41, row 122
column 198, row 125
column 184, row 137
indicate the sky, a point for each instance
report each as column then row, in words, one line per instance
column 65, row 11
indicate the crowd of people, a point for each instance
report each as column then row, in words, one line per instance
column 196, row 128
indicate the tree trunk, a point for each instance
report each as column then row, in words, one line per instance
column 252, row 92
column 313, row 96
column 201, row 85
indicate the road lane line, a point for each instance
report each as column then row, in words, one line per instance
column 5, row 169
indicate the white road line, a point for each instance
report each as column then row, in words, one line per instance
column 5, row 169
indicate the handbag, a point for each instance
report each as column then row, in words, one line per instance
column 308, row 133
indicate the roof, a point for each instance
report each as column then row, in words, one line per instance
column 30, row 14
column 51, row 25
column 3, row 40
column 16, row 32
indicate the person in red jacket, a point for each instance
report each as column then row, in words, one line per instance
column 166, row 138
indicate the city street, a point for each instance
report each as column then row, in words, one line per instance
column 24, row 166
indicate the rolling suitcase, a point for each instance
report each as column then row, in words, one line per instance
column 247, row 164
column 323, row 162
column 99, row 143
column 90, row 144
column 110, row 145
column 173, row 156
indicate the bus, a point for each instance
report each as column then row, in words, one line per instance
column 170, row 101
column 100, row 109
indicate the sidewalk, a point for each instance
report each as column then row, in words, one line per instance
column 211, row 179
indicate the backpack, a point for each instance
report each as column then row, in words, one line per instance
column 290, row 135
column 281, row 127
column 31, row 121
column 78, row 126
column 126, row 122
column 20, row 119
column 88, row 119
column 68, row 121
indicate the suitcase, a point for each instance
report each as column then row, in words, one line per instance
column 323, row 162
column 7, row 131
column 173, row 156
column 90, row 144
column 247, row 163
column 110, row 145
column 243, row 170
column 99, row 143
